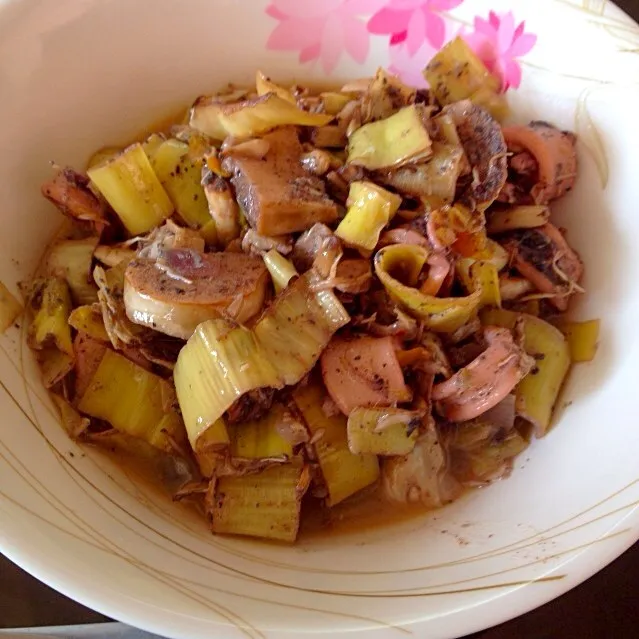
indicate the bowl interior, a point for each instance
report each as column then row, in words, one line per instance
column 78, row 75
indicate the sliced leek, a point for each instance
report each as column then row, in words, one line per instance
column 152, row 144
column 484, row 275
column 88, row 319
column 392, row 142
column 386, row 94
column 261, row 439
column 435, row 179
column 537, row 393
column 219, row 363
column 489, row 461
column 211, row 447
column 344, row 473
column 113, row 255
column 439, row 314
column 519, row 217
column 265, row 85
column 334, row 102
column 382, row 431
column 50, row 324
column 370, row 209
column 265, row 505
column 222, row 361
column 133, row 190
column 250, row 118
column 181, row 178
column 495, row 254
column 281, row 270
column 72, row 260
column 134, row 401
column 298, row 326
column 103, row 155
column 582, row 338
column 456, row 73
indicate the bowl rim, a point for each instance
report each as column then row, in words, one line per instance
column 519, row 601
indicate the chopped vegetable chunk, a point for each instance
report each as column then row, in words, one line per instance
column 344, row 473
column 132, row 188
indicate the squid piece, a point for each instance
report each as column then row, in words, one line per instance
column 363, row 372
column 545, row 160
column 70, row 192
column 486, row 381
column 546, row 260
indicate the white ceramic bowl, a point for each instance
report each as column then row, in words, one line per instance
column 76, row 74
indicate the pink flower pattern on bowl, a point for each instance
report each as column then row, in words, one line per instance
column 323, row 30
column 413, row 22
column 498, row 42
column 409, row 68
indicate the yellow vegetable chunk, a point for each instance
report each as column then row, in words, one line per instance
column 266, row 505
column 486, row 277
column 435, row 179
column 439, row 314
column 152, row 144
column 483, row 460
column 382, row 431
column 298, row 326
column 89, row 320
column 211, row 447
column 518, row 217
column 582, row 338
column 344, row 473
column 259, row 438
column 370, row 209
column 392, row 142
column 103, row 155
column 456, row 73
column 72, row 261
column 250, row 118
column 334, row 102
column 134, row 401
column 282, row 270
column 131, row 187
column 222, row 361
column 265, row 85
column 181, row 178
column 219, row 363
column 51, row 322
column 385, row 95
column 537, row 393
column 113, row 255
